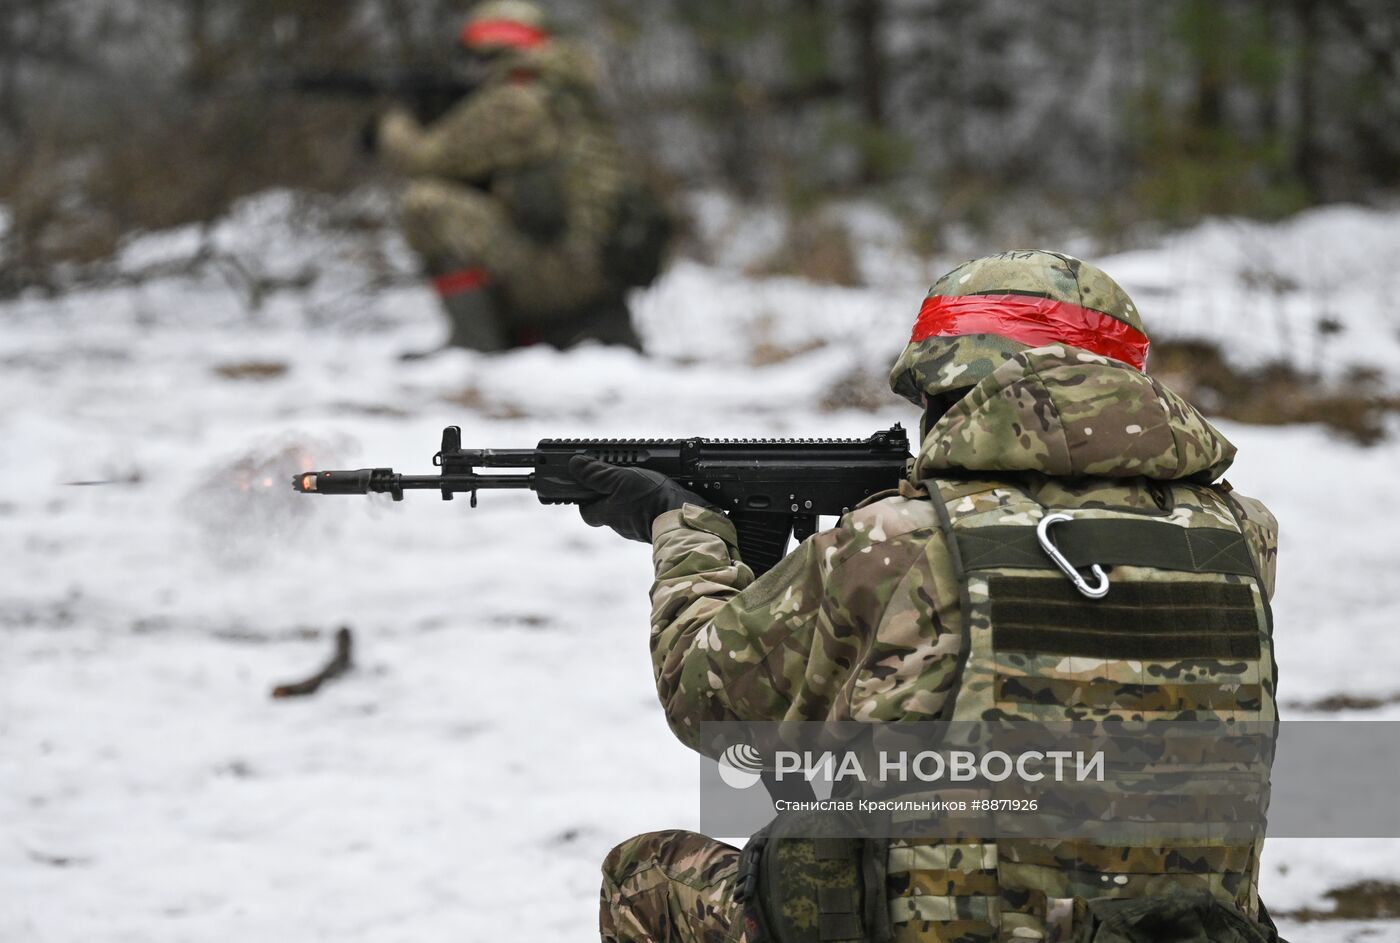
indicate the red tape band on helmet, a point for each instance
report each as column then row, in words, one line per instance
column 465, row 279
column 502, row 33
column 1032, row 321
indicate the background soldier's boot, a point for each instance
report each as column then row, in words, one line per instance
column 607, row 321
column 611, row 323
column 474, row 318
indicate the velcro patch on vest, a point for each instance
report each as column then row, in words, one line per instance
column 1120, row 695
column 1137, row 620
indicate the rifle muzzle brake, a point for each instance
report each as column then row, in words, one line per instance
column 358, row 481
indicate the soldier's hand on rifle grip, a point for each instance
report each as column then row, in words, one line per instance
column 629, row 499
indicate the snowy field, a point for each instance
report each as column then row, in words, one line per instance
column 500, row 733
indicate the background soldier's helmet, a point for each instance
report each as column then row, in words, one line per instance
column 984, row 312
column 505, row 24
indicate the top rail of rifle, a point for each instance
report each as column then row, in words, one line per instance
column 868, row 441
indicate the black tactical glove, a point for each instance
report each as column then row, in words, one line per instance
column 629, row 499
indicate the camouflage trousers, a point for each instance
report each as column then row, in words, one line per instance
column 671, row 887
column 463, row 227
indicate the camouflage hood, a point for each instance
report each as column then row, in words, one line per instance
column 1068, row 413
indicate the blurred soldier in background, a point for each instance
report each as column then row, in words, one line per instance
column 518, row 203
column 1030, row 369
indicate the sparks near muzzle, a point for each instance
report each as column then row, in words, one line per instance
column 771, row 489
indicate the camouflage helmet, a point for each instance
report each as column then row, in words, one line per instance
column 505, row 24
column 984, row 312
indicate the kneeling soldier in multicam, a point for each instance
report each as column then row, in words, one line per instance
column 519, row 203
column 1029, row 368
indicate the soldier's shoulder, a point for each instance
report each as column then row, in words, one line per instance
column 887, row 531
column 566, row 62
column 890, row 515
column 1254, row 514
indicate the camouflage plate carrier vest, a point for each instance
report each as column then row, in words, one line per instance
column 1184, row 633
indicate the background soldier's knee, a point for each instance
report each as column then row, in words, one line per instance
column 421, row 215
column 422, row 200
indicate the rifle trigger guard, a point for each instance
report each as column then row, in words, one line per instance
column 1042, row 532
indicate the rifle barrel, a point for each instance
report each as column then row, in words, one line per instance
column 464, row 482
column 387, row 481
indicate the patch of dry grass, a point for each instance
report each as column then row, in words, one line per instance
column 472, row 397
column 1364, row 900
column 860, row 388
column 815, row 249
column 252, row 370
column 1354, row 407
column 766, row 349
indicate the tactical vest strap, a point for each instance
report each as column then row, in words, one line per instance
column 1113, row 541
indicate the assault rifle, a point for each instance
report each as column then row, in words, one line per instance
column 770, row 488
column 429, row 94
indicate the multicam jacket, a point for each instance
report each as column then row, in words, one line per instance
column 864, row 621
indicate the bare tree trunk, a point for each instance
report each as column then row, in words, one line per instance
column 1270, row 118
column 867, row 22
column 1307, row 158
column 1211, row 72
column 200, row 73
column 9, row 80
column 731, row 103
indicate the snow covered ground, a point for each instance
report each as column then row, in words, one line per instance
column 500, row 733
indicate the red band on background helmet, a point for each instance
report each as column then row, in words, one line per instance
column 1032, row 321
column 502, row 33
column 464, row 279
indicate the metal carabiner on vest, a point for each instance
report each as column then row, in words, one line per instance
column 1042, row 531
